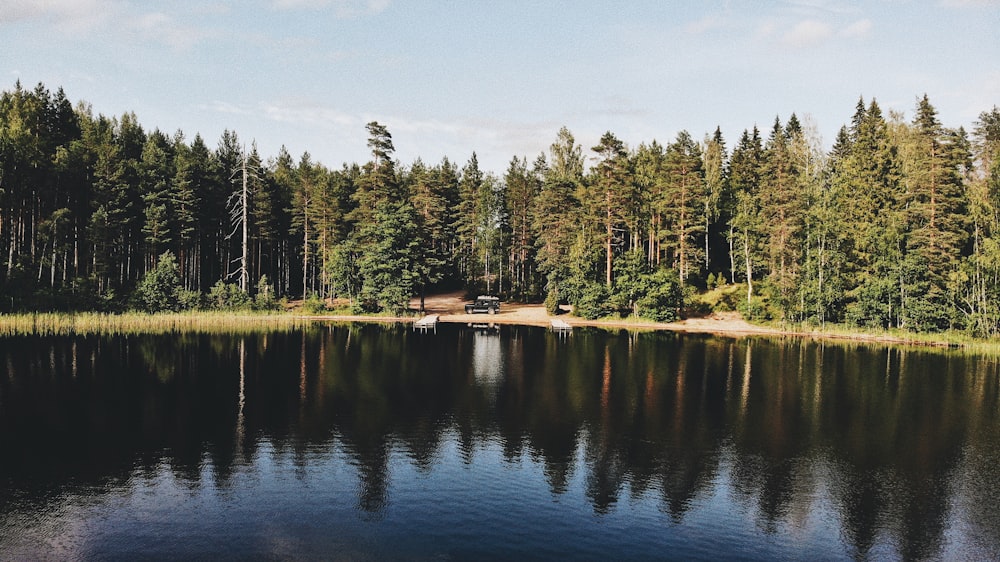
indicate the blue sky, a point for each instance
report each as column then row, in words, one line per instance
column 500, row 78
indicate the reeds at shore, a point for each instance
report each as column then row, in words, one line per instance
column 54, row 323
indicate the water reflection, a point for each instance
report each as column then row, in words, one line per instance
column 877, row 451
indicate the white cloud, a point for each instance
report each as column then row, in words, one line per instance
column 859, row 28
column 68, row 15
column 218, row 106
column 969, row 3
column 816, row 7
column 807, row 33
column 305, row 113
column 342, row 9
column 299, row 4
column 165, row 29
column 87, row 17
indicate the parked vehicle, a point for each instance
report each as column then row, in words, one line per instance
column 484, row 305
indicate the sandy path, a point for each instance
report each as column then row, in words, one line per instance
column 451, row 308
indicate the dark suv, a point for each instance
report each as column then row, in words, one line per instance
column 484, row 305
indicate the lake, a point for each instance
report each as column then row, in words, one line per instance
column 370, row 441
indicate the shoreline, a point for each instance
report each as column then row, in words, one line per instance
column 719, row 324
column 723, row 327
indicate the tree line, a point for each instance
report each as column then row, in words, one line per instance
column 897, row 226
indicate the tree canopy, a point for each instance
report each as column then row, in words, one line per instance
column 897, row 225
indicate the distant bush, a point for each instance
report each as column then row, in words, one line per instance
column 157, row 291
column 552, row 302
column 313, row 305
column 264, row 300
column 188, row 300
column 594, row 302
column 227, row 296
column 662, row 299
column 755, row 309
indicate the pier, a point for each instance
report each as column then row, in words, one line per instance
column 560, row 326
column 426, row 324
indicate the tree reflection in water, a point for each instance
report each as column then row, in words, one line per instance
column 899, row 445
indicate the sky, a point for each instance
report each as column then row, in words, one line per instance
column 499, row 78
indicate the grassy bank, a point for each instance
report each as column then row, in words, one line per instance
column 139, row 323
column 247, row 322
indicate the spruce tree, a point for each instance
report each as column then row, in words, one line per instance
column 936, row 217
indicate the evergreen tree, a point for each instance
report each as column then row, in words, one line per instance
column 685, row 196
column 386, row 262
column 185, row 199
column 555, row 211
column 283, row 186
column 522, row 187
column 745, row 177
column 611, row 189
column 650, row 180
column 469, row 220
column 936, row 217
column 980, row 299
column 429, row 198
column 307, row 183
column 718, row 202
column 782, row 208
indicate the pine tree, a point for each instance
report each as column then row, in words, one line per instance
column 745, row 177
column 468, row 221
column 429, row 198
column 611, row 189
column 156, row 187
column 650, row 180
column 283, row 186
column 522, row 187
column 555, row 211
column 184, row 197
column 685, row 196
column 307, row 181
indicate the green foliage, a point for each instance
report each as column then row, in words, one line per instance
column 755, row 309
column 728, row 298
column 264, row 299
column 631, row 281
column 188, row 300
column 694, row 306
column 552, row 301
column 641, row 291
column 158, row 290
column 662, row 299
column 386, row 263
column 228, row 296
column 592, row 301
column 313, row 305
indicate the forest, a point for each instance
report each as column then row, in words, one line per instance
column 896, row 226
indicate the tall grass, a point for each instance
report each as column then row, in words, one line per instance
column 139, row 323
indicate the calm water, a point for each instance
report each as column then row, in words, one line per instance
column 373, row 442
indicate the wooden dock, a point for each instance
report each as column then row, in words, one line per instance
column 561, row 326
column 426, row 324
